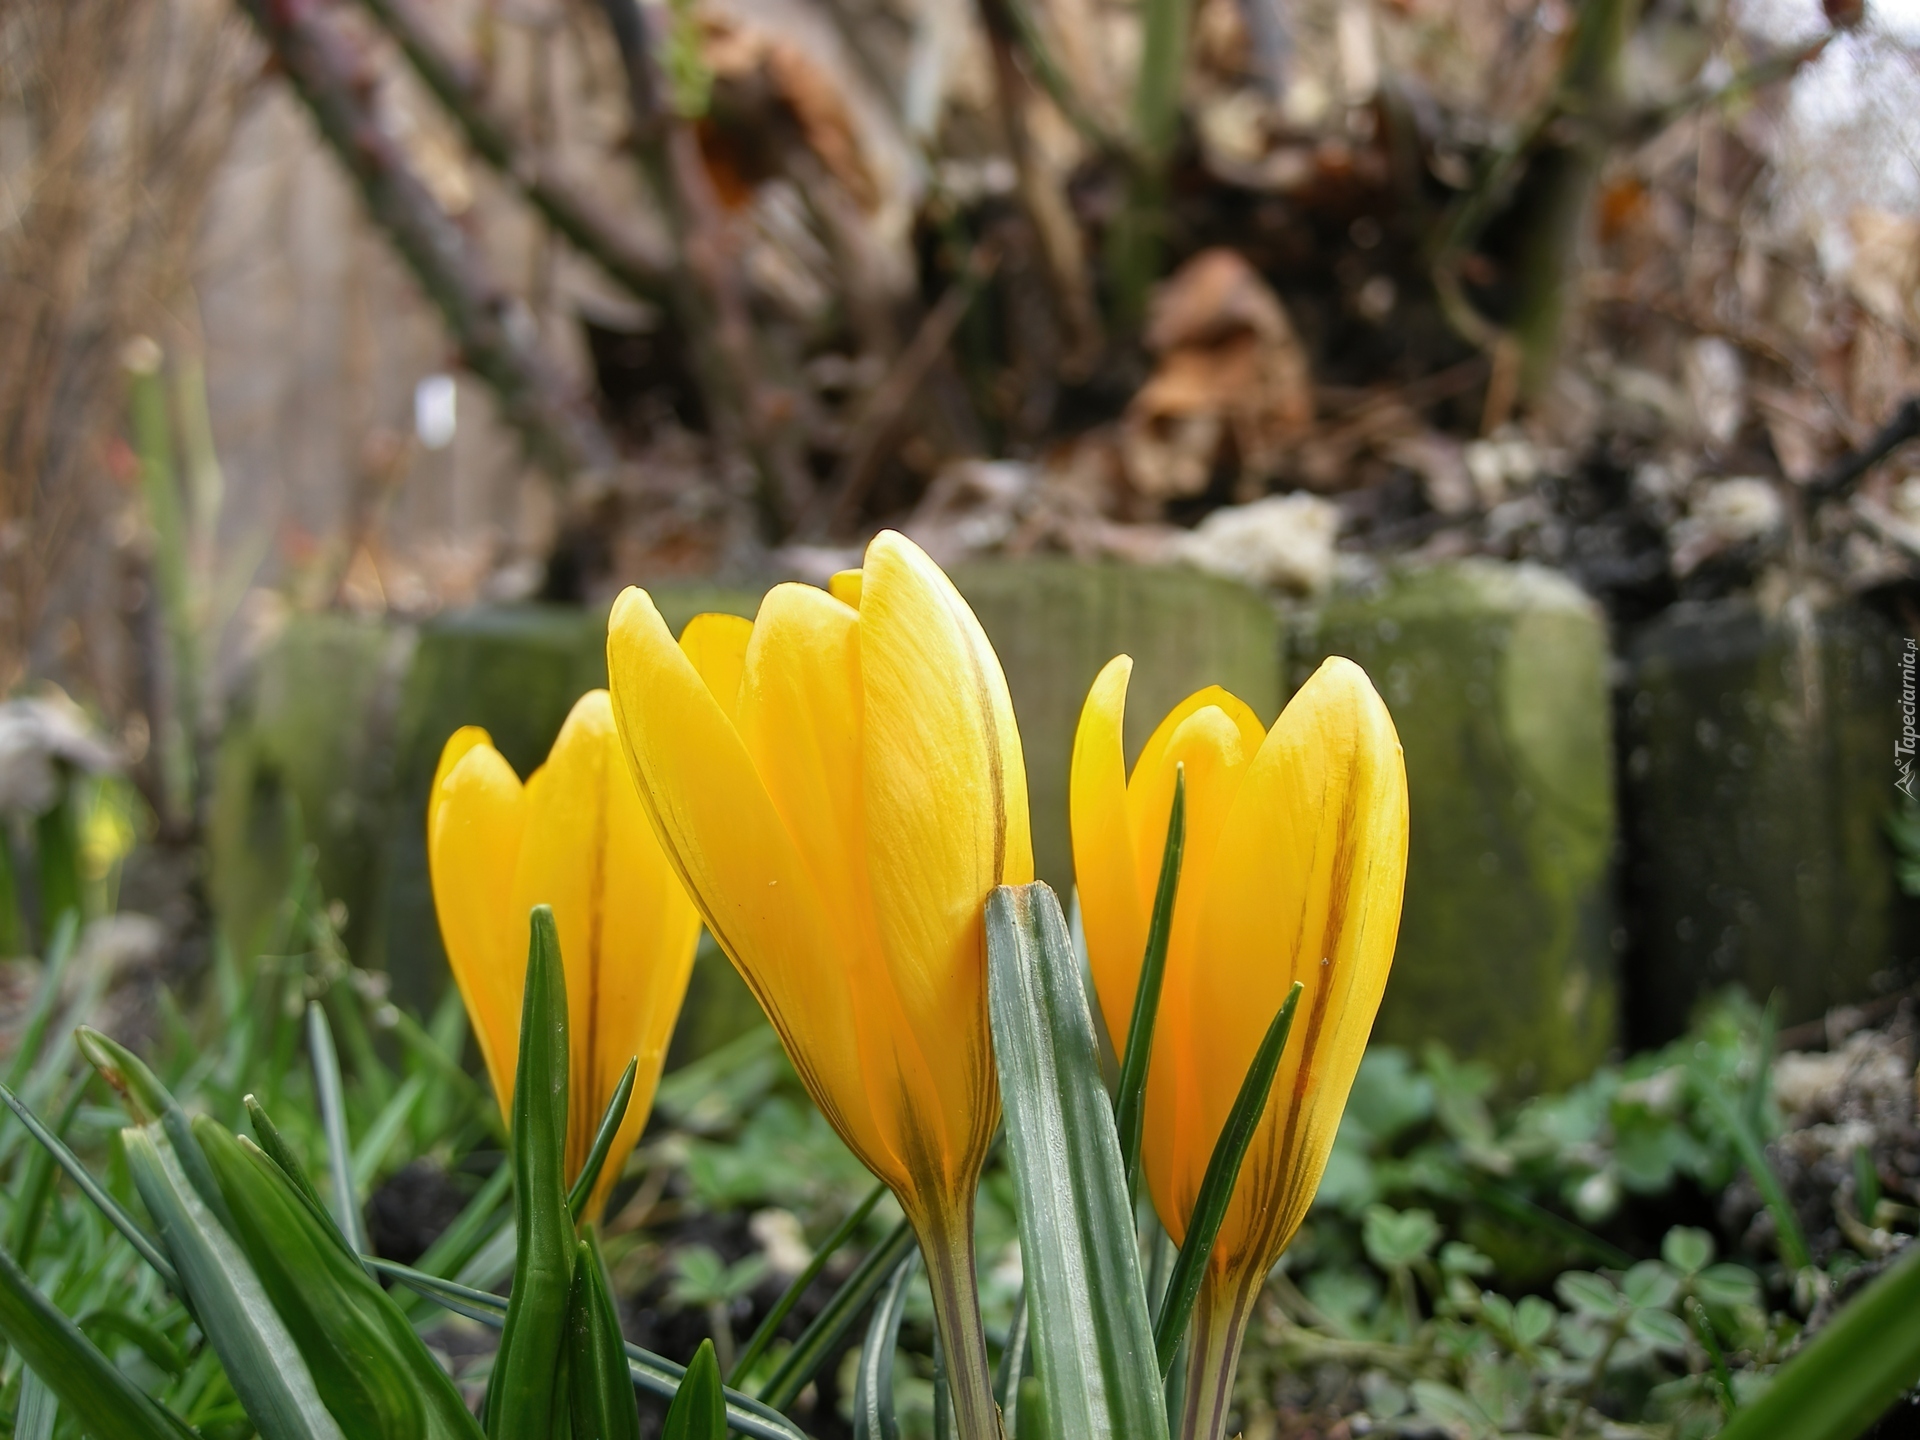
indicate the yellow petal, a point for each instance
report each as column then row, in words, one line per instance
column 626, row 928
column 946, row 811
column 1113, row 911
column 717, row 646
column 1306, row 885
column 1150, row 791
column 1212, row 746
column 844, row 586
column 466, row 738
column 729, row 844
column 476, row 817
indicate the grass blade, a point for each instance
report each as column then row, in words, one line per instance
column 811, row 1350
column 616, row 1111
column 46, row 1001
column 252, row 1341
column 763, row 1336
column 104, row 1402
column 1013, row 1360
column 456, row 1244
column 521, row 1394
column 371, row 1153
column 38, row 1408
column 369, row 1367
column 331, row 1095
column 698, row 1412
column 83, row 1179
column 1092, row 1345
column 1848, row 1374
column 602, row 1399
column 652, row 1373
column 1130, row 1097
column 1216, row 1186
column 873, row 1417
column 35, row 1192
column 277, row 1150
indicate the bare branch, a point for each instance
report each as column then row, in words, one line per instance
column 560, row 435
column 628, row 260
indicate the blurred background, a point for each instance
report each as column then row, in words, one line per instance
column 1559, row 360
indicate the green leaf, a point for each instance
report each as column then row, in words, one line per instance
column 1661, row 1329
column 520, row 1395
column 371, row 1153
column 34, row 1190
column 103, row 1401
column 1727, row 1284
column 1650, row 1285
column 818, row 1340
column 1533, row 1320
column 655, row 1375
column 116, row 1213
column 38, row 1407
column 368, row 1365
column 602, row 1141
column 331, row 1095
column 278, row 1151
column 770, row 1326
column 1216, row 1185
column 1130, row 1096
column 46, row 1000
column 255, row 1348
column 148, row 1100
column 603, row 1406
column 1396, row 1239
column 1093, row 1348
column 873, row 1417
column 1588, row 1293
column 697, row 1412
column 1847, row 1375
column 1687, row 1250
column 117, row 1323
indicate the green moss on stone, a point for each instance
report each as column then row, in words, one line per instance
column 1496, row 677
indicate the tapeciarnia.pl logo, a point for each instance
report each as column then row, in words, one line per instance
column 1903, row 748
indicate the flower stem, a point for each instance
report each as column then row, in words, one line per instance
column 946, row 1240
column 1219, row 1329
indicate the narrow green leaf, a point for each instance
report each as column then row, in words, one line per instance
column 652, row 1373
column 150, row 1342
column 1092, row 1346
column 368, row 1365
column 331, row 1095
column 46, row 1000
column 371, row 1153
column 104, row 1202
column 1130, row 1097
column 818, row 1340
column 697, row 1412
column 1851, row 1372
column 1013, row 1361
column 281, row 1153
column 35, row 1190
column 148, row 1100
column 102, row 1400
column 456, row 1243
column 520, row 1395
column 603, row 1404
column 873, row 1415
column 1748, row 1145
column 1216, row 1186
column 616, row 1112
column 38, row 1408
column 770, row 1326
column 255, row 1348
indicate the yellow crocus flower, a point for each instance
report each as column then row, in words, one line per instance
column 574, row 837
column 840, row 785
column 1295, row 857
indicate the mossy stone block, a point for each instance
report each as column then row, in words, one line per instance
column 1497, row 680
column 1054, row 623
column 1759, row 776
column 517, row 671
column 306, row 758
